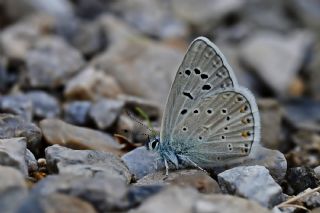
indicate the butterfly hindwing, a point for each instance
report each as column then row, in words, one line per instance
column 203, row 70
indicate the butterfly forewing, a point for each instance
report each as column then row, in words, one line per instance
column 203, row 70
column 208, row 117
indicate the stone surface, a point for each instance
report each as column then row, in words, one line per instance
column 18, row 105
column 151, row 17
column 11, row 179
column 31, row 162
column 253, row 182
column 104, row 113
column 55, row 202
column 212, row 12
column 104, row 193
column 12, row 153
column 52, row 62
column 86, row 163
column 139, row 64
column 77, row 112
column 185, row 178
column 13, row 126
column 301, row 178
column 271, row 120
column 43, row 104
column 266, row 53
column 58, row 132
column 92, row 84
column 312, row 201
column 175, row 199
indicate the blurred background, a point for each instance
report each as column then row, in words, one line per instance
column 85, row 61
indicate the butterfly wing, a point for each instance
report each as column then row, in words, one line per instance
column 204, row 69
column 208, row 117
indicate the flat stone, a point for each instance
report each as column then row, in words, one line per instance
column 55, row 202
column 105, row 112
column 85, row 163
column 92, row 84
column 253, row 182
column 58, row 132
column 104, row 193
column 18, row 105
column 12, row 153
column 266, row 52
column 12, row 126
column 212, row 12
column 43, row 104
column 77, row 112
column 11, row 178
column 301, row 178
column 271, row 123
column 185, row 178
column 151, row 17
column 132, row 62
column 52, row 62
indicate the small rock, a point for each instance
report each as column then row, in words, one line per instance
column 12, row 153
column 44, row 105
column 149, row 107
column 85, row 162
column 55, row 202
column 317, row 172
column 31, row 162
column 52, row 62
column 184, row 178
column 116, row 29
column 301, row 178
column 92, row 84
column 312, row 200
column 77, row 112
column 141, row 162
column 151, row 17
column 13, row 126
column 139, row 64
column 226, row 204
column 17, row 105
column 212, row 12
column 105, row 112
column 11, row 179
column 253, row 182
column 271, row 121
column 265, row 53
column 137, row 194
column 58, row 132
column 104, row 193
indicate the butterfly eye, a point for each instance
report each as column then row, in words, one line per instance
column 154, row 144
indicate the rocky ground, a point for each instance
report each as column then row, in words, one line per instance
column 70, row 71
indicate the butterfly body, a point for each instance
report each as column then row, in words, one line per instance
column 209, row 119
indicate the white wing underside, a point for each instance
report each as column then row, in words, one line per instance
column 208, row 117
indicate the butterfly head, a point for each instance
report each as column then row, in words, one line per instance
column 153, row 144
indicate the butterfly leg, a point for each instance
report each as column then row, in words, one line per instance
column 167, row 168
column 192, row 163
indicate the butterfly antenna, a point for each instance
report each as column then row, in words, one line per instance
column 139, row 122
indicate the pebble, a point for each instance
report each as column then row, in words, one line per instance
column 12, row 126
column 92, row 84
column 301, row 178
column 271, row 120
column 185, row 178
column 18, row 105
column 104, row 113
column 31, row 162
column 12, row 153
column 266, row 52
column 104, row 193
column 58, row 132
column 77, row 112
column 139, row 64
column 252, row 182
column 52, row 62
column 312, row 200
column 85, row 162
column 55, row 202
column 43, row 104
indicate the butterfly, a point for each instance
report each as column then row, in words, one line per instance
column 209, row 119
